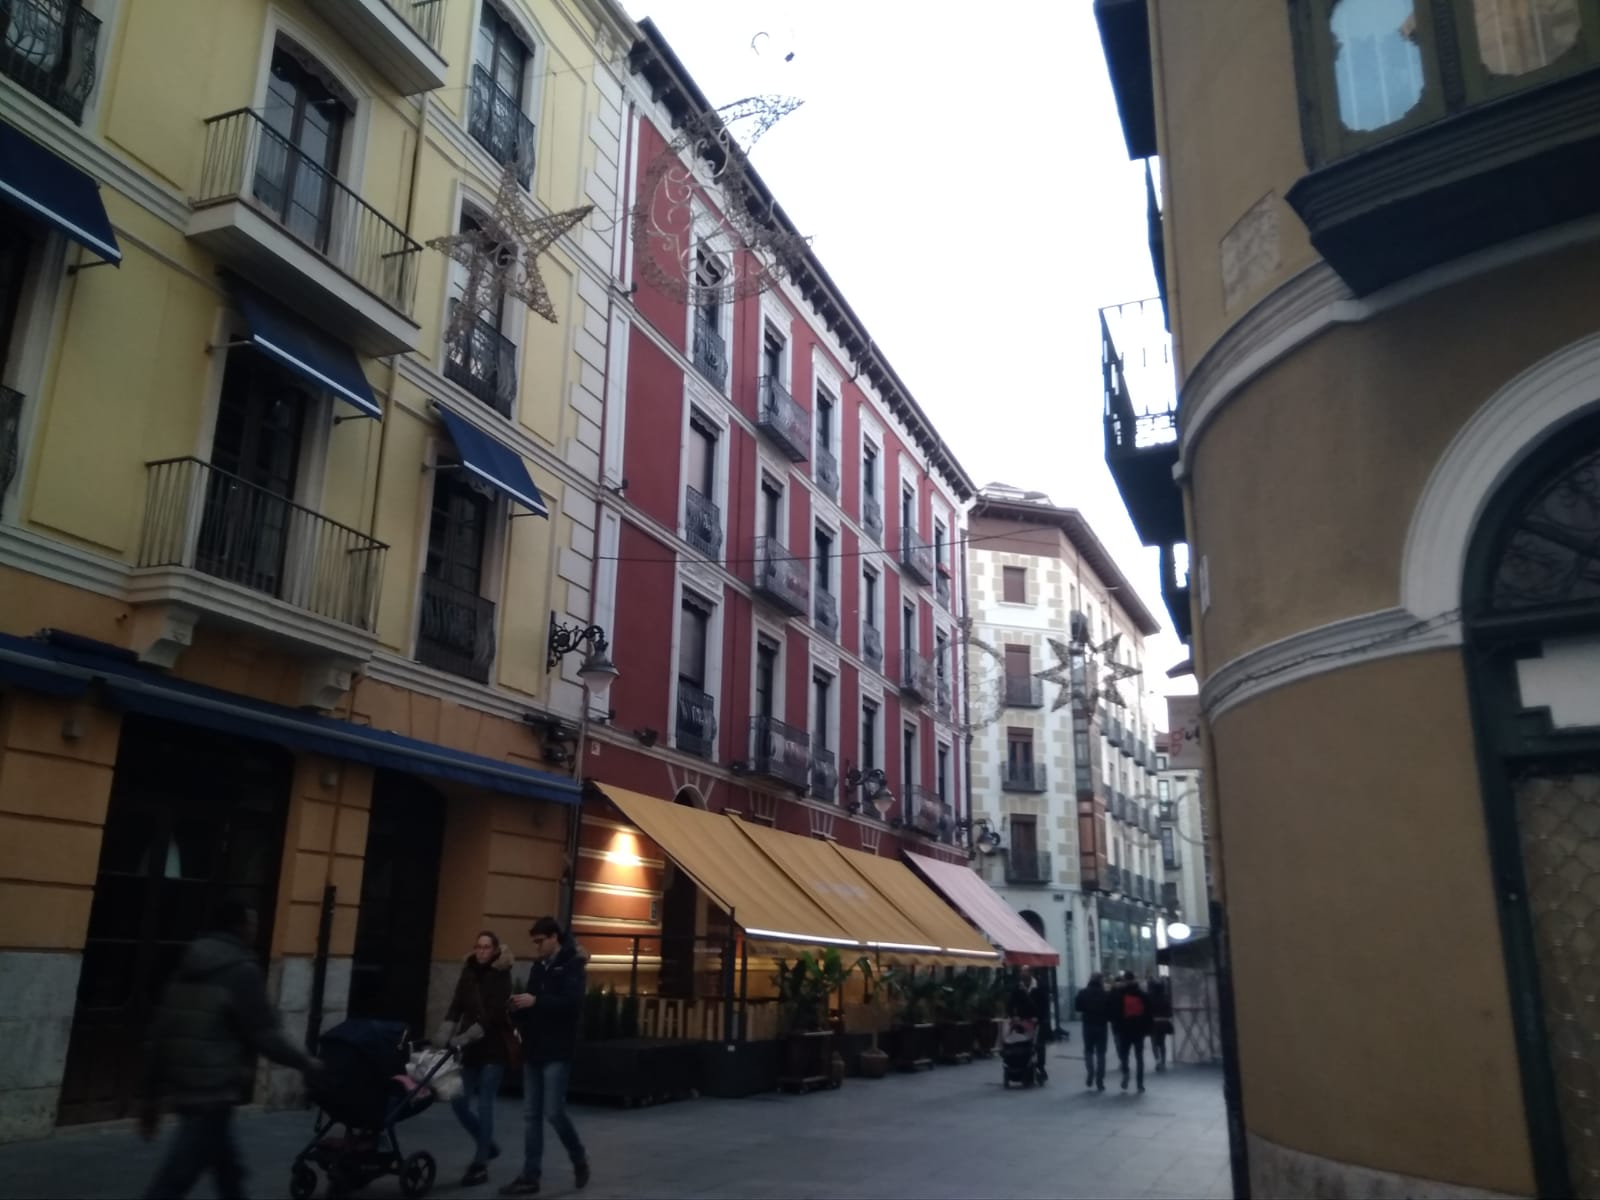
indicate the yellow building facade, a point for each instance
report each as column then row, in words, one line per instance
column 281, row 540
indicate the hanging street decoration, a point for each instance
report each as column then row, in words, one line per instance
column 501, row 255
column 986, row 681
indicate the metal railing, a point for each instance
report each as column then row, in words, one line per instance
column 484, row 361
column 944, row 694
column 782, row 578
column 872, row 645
column 916, row 675
column 710, row 352
column 1113, row 878
column 246, row 159
column 824, row 775
column 1025, row 866
column 50, row 47
column 825, row 613
column 697, row 721
column 426, row 17
column 783, row 420
column 915, row 557
column 498, row 124
column 1023, row 777
column 780, row 751
column 702, row 524
column 1169, row 897
column 455, row 630
column 872, row 518
column 1024, row 691
column 825, row 471
column 10, row 438
column 208, row 520
column 927, row 813
column 942, row 589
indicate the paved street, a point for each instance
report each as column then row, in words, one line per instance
column 949, row 1132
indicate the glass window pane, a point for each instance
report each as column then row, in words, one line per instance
column 1377, row 63
column 1518, row 36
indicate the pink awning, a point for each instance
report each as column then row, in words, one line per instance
column 981, row 904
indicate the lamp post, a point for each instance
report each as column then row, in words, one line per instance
column 597, row 673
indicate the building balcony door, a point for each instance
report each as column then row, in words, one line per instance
column 175, row 845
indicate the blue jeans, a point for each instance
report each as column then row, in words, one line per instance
column 544, row 1098
column 204, row 1142
column 480, row 1084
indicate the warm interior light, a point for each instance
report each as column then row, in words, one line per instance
column 624, row 850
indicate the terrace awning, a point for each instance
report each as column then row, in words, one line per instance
column 997, row 920
column 927, row 910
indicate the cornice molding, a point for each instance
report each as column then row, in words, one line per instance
column 62, row 562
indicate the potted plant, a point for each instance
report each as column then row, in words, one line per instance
column 915, row 1036
column 874, row 1063
column 954, row 1008
column 988, row 1005
column 804, row 986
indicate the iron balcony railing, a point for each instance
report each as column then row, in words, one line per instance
column 782, row 578
column 1023, row 777
column 1023, row 866
column 929, row 814
column 498, row 124
column 1024, row 691
column 697, row 721
column 916, row 675
column 780, row 751
column 872, row 645
column 484, row 361
column 208, row 520
column 1113, row 878
column 945, row 694
column 1169, row 898
column 426, row 17
column 824, row 775
column 872, row 518
column 941, row 590
column 247, row 160
column 784, row 421
column 49, row 47
column 1130, row 744
column 710, row 352
column 10, row 439
column 455, row 631
column 825, row 471
column 702, row 524
column 825, row 613
column 916, row 558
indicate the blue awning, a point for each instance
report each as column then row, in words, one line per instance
column 497, row 465
column 47, row 186
column 68, row 670
column 305, row 350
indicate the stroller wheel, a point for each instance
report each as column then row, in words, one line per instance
column 302, row 1182
column 416, row 1174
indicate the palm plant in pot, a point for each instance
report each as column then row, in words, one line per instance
column 955, row 1008
column 804, row 986
column 988, row 1005
column 915, row 997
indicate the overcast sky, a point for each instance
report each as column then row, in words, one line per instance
column 966, row 184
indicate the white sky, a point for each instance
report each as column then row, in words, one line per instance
column 966, row 184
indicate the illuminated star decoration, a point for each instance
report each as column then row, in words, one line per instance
column 501, row 256
column 1060, row 674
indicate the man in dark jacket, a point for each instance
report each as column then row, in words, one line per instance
column 546, row 1018
column 1130, row 1023
column 201, row 1053
column 1093, row 1005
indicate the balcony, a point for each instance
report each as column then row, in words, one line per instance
column 942, row 589
column 215, row 544
column 782, row 420
column 1024, row 691
column 1113, row 878
column 1169, row 898
column 497, row 123
column 709, row 352
column 1130, row 744
column 697, row 721
column 702, row 524
column 825, row 472
column 825, row 614
column 782, row 579
column 872, row 518
column 916, row 559
column 484, row 361
column 779, row 751
column 455, row 632
column 1023, row 777
column 927, row 813
column 872, row 645
column 399, row 37
column 824, row 775
column 1023, row 866
column 944, row 695
column 916, row 675
column 50, row 48
column 267, row 210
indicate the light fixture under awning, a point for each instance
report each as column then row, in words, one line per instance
column 497, row 465
column 45, row 185
column 308, row 352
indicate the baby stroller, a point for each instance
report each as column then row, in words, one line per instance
column 364, row 1087
column 1019, row 1055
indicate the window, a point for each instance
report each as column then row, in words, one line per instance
column 908, row 761
column 1024, row 842
column 869, row 735
column 869, row 597
column 821, row 691
column 772, row 355
column 938, row 545
column 1163, row 789
column 497, row 118
column 824, row 419
column 908, row 628
column 1161, row 762
column 455, row 630
column 1019, row 753
column 941, row 643
column 1014, row 585
column 771, row 508
column 702, row 517
column 696, row 717
column 709, row 351
column 766, row 676
column 297, row 161
column 702, row 455
column 693, row 623
column 482, row 360
column 824, row 560
column 869, row 470
column 942, row 763
column 1019, row 674
column 908, row 514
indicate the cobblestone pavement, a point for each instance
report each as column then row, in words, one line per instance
column 950, row 1132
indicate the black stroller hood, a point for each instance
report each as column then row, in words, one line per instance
column 360, row 1059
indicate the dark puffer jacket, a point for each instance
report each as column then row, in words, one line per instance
column 213, row 1021
column 480, row 999
column 549, row 1030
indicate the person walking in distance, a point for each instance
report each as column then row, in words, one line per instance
column 200, row 1056
column 1160, row 1020
column 482, row 998
column 1130, row 1024
column 1093, row 1006
column 545, row 1015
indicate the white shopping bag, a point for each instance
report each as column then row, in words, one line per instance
column 445, row 1068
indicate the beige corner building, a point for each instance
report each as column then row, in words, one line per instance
column 1378, row 494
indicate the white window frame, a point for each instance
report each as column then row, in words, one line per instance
column 914, row 727
column 949, row 750
column 768, row 467
column 835, row 567
column 705, row 226
column 780, row 694
column 825, row 377
column 829, row 721
column 776, row 316
column 875, row 613
column 353, row 148
column 534, row 42
column 717, row 417
column 870, row 754
column 696, row 590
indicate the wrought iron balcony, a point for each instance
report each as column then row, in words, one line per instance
column 944, row 693
column 872, row 645
column 49, row 47
column 782, row 420
column 824, row 775
column 1024, row 691
column 210, row 521
column 1169, row 897
column 710, row 352
column 825, row 472
column 781, row 578
column 1130, row 745
column 1113, row 878
column 915, row 557
column 780, row 751
column 1028, row 867
column 942, row 589
column 916, row 675
column 825, row 613
column 1023, row 777
column 927, row 813
column 702, row 524
column 484, row 361
column 455, row 631
column 697, row 721
column 498, row 124
column 872, row 518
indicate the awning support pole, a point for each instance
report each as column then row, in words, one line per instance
column 744, row 989
column 727, row 985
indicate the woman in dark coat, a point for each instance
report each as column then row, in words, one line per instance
column 482, row 994
column 1160, row 1020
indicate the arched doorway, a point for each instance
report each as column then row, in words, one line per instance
column 1531, row 617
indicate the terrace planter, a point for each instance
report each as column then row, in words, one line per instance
column 733, row 1070
column 634, row 1071
column 807, row 1061
column 914, row 1046
column 955, row 1041
column 986, row 1036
